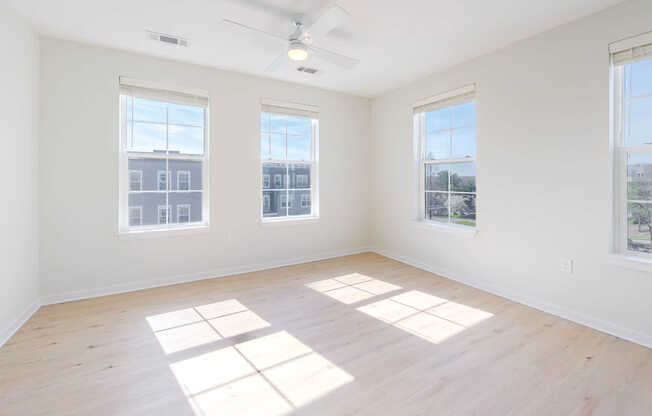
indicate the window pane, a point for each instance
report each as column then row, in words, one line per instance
column 642, row 78
column 437, row 206
column 265, row 152
column 299, row 176
column 640, row 123
column 185, row 114
column 149, row 169
column 299, row 148
column 464, row 114
column 147, row 138
column 277, row 123
column 264, row 122
column 299, row 202
column 464, row 142
column 149, row 202
column 438, row 120
column 149, row 110
column 277, row 173
column 463, row 177
column 274, row 209
column 436, row 177
column 463, row 209
column 186, row 140
column 639, row 218
column 639, row 176
column 277, row 146
column 194, row 173
column 192, row 199
column 299, row 126
column 438, row 145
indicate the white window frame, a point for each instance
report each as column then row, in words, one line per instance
column 184, row 206
column 138, row 208
column 299, row 110
column 165, row 93
column 160, row 208
column 266, row 181
column 623, row 53
column 446, row 100
column 179, row 174
column 140, row 180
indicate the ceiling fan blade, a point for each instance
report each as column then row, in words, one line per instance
column 334, row 57
column 328, row 20
column 277, row 62
column 238, row 25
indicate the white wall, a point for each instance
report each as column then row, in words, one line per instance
column 543, row 176
column 81, row 253
column 18, row 170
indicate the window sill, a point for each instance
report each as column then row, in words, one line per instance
column 460, row 230
column 288, row 221
column 631, row 262
column 164, row 232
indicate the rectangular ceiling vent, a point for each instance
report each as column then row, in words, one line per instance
column 169, row 39
column 307, row 70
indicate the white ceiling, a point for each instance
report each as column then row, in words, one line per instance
column 395, row 41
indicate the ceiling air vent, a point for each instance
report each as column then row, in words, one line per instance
column 307, row 70
column 169, row 39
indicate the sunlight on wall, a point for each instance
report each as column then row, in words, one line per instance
column 271, row 374
column 352, row 288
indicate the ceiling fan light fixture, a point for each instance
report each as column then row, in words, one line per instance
column 297, row 51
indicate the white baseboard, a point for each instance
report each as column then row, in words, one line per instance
column 6, row 333
column 192, row 277
column 571, row 315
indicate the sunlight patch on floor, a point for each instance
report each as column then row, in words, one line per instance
column 352, row 288
column 429, row 317
column 192, row 327
column 270, row 375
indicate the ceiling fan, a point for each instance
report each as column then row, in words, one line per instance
column 299, row 43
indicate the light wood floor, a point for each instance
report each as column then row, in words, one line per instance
column 360, row 335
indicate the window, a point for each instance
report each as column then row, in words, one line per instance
column 183, row 180
column 163, row 156
column 444, row 130
column 266, row 204
column 163, row 214
column 183, row 213
column 305, row 201
column 135, row 180
column 285, row 203
column 302, row 181
column 289, row 138
column 135, row 216
column 163, row 177
column 632, row 136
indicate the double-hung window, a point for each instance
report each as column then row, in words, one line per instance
column 632, row 138
column 163, row 144
column 289, row 157
column 445, row 139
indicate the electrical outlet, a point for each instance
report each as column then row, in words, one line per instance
column 566, row 266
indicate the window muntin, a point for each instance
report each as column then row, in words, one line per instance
column 164, row 137
column 446, row 142
column 633, row 156
column 289, row 165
